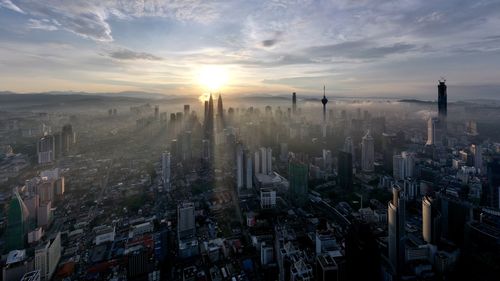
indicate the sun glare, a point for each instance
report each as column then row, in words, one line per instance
column 213, row 78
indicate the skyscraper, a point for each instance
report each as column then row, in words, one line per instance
column 478, row 157
column 68, row 138
column 396, row 229
column 432, row 138
column 220, row 114
column 186, row 227
column 294, row 103
column 298, row 178
column 431, row 221
column 349, row 147
column 324, row 101
column 165, row 170
column 493, row 173
column 46, row 149
column 244, row 175
column 367, row 152
column 345, row 170
column 17, row 224
column 205, row 150
column 186, row 110
column 442, row 102
column 209, row 120
column 403, row 165
column 239, row 167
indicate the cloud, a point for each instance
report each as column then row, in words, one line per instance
column 90, row 19
column 432, row 17
column 271, row 42
column 44, row 24
column 11, row 6
column 126, row 54
column 360, row 50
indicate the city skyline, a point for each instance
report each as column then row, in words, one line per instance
column 359, row 49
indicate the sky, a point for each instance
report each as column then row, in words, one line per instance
column 357, row 48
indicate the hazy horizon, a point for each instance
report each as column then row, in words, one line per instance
column 355, row 48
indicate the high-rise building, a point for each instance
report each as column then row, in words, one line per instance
column 269, row 159
column 248, row 173
column 220, row 114
column 209, row 120
column 257, row 163
column 46, row 149
column 186, row 147
column 186, row 227
column 267, row 198
column 349, row 147
column 165, row 170
column 205, row 150
column 68, row 138
column 298, row 179
column 345, row 170
column 264, row 161
column 187, row 110
column 432, row 135
column 17, row 224
column 477, row 157
column 294, row 103
column 367, row 153
column 47, row 257
column 396, row 229
column 244, row 174
column 493, row 173
column 239, row 167
column 431, row 221
column 442, row 102
column 283, row 152
column 324, row 101
column 403, row 165
column 326, row 268
column 327, row 160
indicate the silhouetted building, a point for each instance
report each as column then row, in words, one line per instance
column 345, row 170
column 442, row 102
column 298, row 179
column 493, row 172
column 68, row 138
column 326, row 268
column 294, row 103
column 220, row 114
column 324, row 101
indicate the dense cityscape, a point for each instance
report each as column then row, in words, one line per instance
column 280, row 140
column 269, row 188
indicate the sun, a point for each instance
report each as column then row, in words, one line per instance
column 213, row 77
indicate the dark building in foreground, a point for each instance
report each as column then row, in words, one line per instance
column 298, row 177
column 493, row 172
column 345, row 170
